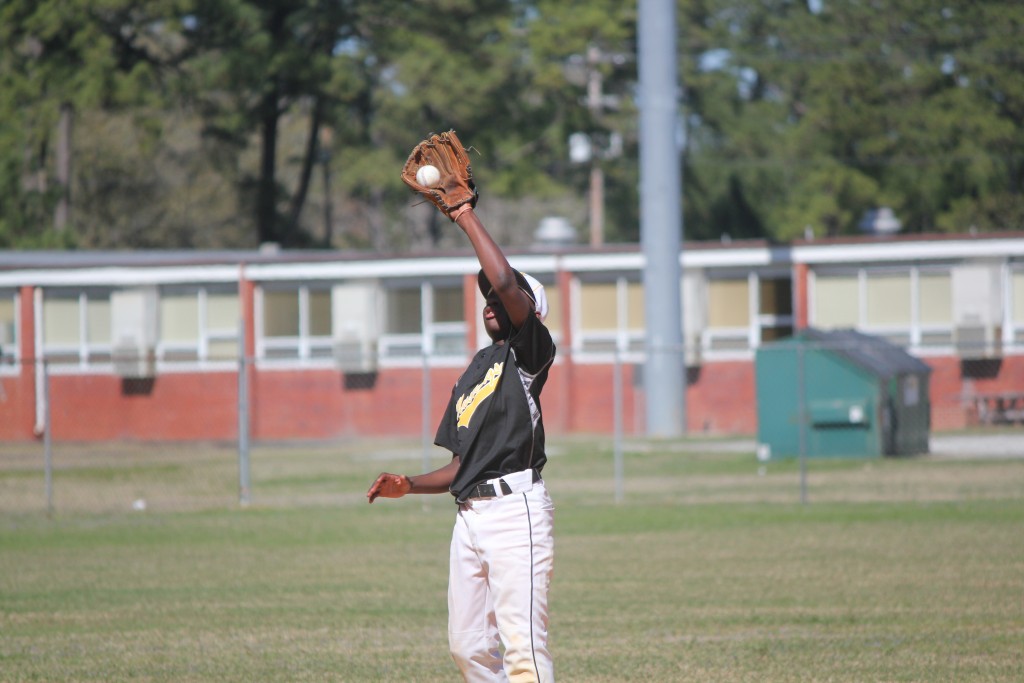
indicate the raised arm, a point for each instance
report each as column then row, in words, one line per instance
column 495, row 266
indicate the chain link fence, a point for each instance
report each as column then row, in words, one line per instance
column 824, row 420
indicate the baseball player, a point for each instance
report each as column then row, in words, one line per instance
column 502, row 548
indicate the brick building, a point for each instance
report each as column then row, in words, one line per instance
column 147, row 345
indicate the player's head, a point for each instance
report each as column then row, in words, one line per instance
column 529, row 284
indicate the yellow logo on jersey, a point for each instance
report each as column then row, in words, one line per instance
column 466, row 406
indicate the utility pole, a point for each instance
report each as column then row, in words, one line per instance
column 595, row 97
column 63, row 213
column 326, row 138
column 594, row 148
column 661, row 219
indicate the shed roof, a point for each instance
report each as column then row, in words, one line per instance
column 875, row 354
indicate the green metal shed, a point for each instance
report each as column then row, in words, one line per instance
column 863, row 397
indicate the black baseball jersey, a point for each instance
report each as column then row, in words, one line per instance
column 493, row 420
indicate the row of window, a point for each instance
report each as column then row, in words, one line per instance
column 400, row 320
column 922, row 307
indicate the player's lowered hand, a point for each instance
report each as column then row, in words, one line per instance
column 389, row 486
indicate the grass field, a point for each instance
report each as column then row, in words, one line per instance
column 709, row 570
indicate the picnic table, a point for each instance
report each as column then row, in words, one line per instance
column 997, row 407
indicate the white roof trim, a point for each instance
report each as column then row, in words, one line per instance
column 540, row 264
column 393, row 268
column 907, row 251
column 119, row 277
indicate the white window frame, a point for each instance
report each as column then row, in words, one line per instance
column 412, row 349
column 84, row 348
column 10, row 360
column 747, row 338
column 205, row 337
column 622, row 342
column 914, row 333
column 310, row 350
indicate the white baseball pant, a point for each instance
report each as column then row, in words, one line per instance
column 502, row 557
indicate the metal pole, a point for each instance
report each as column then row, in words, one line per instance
column 244, row 479
column 425, row 407
column 594, row 104
column 426, row 349
column 617, row 439
column 47, row 440
column 801, row 409
column 661, row 218
column 596, row 203
column 328, row 205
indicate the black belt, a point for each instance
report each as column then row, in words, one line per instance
column 486, row 490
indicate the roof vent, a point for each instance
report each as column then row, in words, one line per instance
column 880, row 221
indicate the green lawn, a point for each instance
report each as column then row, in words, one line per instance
column 710, row 570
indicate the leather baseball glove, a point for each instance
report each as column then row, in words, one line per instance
column 455, row 188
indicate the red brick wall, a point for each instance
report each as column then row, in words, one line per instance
column 18, row 392
column 953, row 384
column 723, row 399
column 320, row 404
column 201, row 406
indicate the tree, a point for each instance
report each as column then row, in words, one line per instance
column 838, row 108
column 253, row 61
column 197, row 123
column 60, row 58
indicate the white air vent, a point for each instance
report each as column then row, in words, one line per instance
column 133, row 322
column 978, row 341
column 133, row 363
column 977, row 310
column 355, row 326
column 355, row 355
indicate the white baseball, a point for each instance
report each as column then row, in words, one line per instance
column 428, row 176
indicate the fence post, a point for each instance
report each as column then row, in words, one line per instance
column 426, row 351
column 425, row 431
column 617, row 420
column 244, row 480
column 801, row 409
column 47, row 438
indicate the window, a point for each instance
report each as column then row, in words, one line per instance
column 744, row 310
column 179, row 325
column 728, row 326
column 8, row 328
column 222, row 318
column 403, row 327
column 910, row 307
column 448, row 305
column 554, row 320
column 425, row 316
column 448, row 324
column 76, row 326
column 935, row 308
column 281, row 314
column 404, row 311
column 1017, row 301
column 293, row 321
column 775, row 304
column 319, row 312
column 888, row 305
column 198, row 324
column 610, row 315
column 836, row 301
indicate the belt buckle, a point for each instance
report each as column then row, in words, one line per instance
column 485, row 491
column 489, row 490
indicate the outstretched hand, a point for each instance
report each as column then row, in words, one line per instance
column 389, row 485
